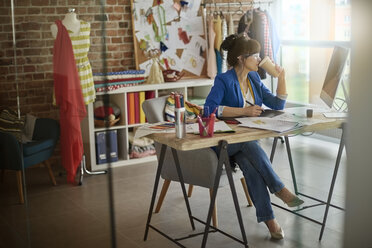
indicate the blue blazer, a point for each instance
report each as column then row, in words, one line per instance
column 226, row 92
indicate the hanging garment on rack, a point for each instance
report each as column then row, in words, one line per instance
column 69, row 98
column 80, row 44
column 268, row 51
column 218, row 61
column 217, row 23
column 212, row 66
column 245, row 22
column 231, row 25
column 256, row 31
column 224, row 53
column 275, row 40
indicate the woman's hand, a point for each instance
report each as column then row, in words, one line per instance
column 281, row 87
column 252, row 111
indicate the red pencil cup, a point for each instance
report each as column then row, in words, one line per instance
column 206, row 128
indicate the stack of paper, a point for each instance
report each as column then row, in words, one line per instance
column 275, row 125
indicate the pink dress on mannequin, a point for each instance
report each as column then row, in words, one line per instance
column 212, row 65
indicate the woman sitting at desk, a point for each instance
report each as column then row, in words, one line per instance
column 240, row 92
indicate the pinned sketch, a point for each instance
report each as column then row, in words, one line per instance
column 192, row 62
column 193, row 26
column 174, row 41
column 197, row 45
column 147, row 35
column 191, row 10
column 170, row 10
column 139, row 12
column 174, row 62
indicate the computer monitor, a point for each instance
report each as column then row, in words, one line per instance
column 334, row 74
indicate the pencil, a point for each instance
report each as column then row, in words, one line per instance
column 252, row 104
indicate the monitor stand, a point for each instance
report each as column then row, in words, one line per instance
column 340, row 111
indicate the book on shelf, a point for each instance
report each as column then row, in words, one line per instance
column 149, row 94
column 131, row 108
column 141, row 100
column 136, row 107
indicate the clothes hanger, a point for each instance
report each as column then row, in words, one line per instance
column 240, row 10
column 215, row 12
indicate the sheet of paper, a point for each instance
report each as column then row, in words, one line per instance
column 193, row 26
column 147, row 34
column 174, row 41
column 197, row 45
column 275, row 125
column 191, row 10
column 174, row 61
column 219, row 127
column 171, row 12
column 192, row 63
column 147, row 129
column 140, row 9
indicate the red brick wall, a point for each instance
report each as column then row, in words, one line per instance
column 34, row 47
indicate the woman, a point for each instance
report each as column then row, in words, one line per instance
column 240, row 92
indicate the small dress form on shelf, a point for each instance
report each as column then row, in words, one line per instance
column 79, row 32
column 156, row 75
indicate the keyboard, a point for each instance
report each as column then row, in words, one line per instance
column 335, row 115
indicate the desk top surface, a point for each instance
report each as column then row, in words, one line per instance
column 242, row 134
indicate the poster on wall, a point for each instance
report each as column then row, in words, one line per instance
column 174, row 28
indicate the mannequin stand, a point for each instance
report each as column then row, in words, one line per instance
column 83, row 169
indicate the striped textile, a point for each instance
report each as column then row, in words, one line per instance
column 103, row 88
column 80, row 45
column 9, row 123
column 267, row 38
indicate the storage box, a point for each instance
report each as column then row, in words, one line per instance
column 106, row 151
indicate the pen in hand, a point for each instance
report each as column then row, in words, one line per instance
column 253, row 104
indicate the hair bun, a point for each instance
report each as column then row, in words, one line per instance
column 228, row 42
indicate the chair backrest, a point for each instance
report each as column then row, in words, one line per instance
column 154, row 109
column 46, row 128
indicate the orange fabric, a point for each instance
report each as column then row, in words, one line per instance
column 69, row 98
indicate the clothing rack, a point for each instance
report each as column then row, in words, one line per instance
column 237, row 4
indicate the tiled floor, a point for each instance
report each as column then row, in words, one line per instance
column 73, row 216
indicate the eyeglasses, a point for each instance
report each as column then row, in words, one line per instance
column 254, row 55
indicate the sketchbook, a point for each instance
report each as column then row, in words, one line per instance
column 280, row 126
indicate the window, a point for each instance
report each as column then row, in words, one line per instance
column 309, row 30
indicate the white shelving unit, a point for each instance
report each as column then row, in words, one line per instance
column 189, row 87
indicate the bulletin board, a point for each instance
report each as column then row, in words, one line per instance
column 174, row 27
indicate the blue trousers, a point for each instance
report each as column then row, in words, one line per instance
column 258, row 174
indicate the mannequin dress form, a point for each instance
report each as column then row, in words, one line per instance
column 79, row 32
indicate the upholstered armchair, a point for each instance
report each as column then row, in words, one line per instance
column 39, row 150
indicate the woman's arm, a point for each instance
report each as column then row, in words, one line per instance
column 281, row 88
column 245, row 111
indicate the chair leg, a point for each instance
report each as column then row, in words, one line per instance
column 189, row 193
column 214, row 214
column 47, row 164
column 244, row 184
column 20, row 186
column 163, row 192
